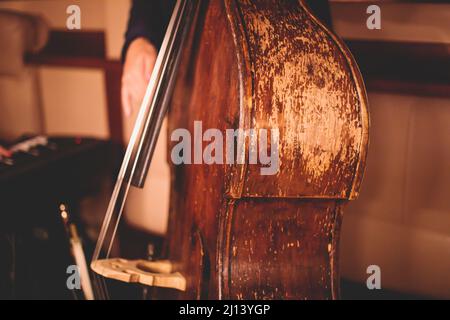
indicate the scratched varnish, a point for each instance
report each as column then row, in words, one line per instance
column 233, row 233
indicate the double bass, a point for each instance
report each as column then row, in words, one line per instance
column 235, row 233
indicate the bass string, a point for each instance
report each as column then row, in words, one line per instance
column 146, row 114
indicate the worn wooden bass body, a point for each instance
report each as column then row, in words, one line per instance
column 233, row 232
column 237, row 234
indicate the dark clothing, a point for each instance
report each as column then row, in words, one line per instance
column 149, row 19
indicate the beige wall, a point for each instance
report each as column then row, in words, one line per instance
column 73, row 101
column 92, row 11
column 401, row 221
column 399, row 22
column 116, row 18
column 20, row 112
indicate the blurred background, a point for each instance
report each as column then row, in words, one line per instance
column 60, row 82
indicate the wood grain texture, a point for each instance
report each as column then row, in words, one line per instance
column 305, row 85
column 285, row 250
column 233, row 233
column 207, row 90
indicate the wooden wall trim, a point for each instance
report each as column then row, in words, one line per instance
column 394, row 67
column 113, row 84
column 63, row 43
column 404, row 67
column 86, row 49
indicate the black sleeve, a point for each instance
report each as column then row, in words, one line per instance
column 148, row 19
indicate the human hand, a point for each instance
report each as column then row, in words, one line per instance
column 4, row 152
column 139, row 62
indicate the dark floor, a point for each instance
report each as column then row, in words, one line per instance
column 357, row 291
